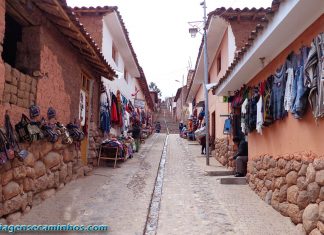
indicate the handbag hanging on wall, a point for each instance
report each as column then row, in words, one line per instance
column 63, row 131
column 12, row 139
column 28, row 131
column 50, row 133
column 75, row 132
column 5, row 147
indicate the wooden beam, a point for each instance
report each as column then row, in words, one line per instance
column 49, row 11
column 19, row 13
column 69, row 33
column 79, row 43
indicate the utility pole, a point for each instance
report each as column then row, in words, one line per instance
column 206, row 82
column 181, row 116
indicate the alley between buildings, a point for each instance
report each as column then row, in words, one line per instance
column 191, row 203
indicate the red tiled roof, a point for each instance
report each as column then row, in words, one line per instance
column 231, row 14
column 108, row 9
column 66, row 22
column 253, row 35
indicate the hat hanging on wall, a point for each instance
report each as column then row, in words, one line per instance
column 51, row 113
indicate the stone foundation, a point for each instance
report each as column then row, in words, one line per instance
column 26, row 183
column 94, row 144
column 294, row 185
column 224, row 152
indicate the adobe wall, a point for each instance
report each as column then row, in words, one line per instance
column 286, row 163
column 93, row 24
column 48, row 167
column 45, row 49
column 64, row 68
column 242, row 30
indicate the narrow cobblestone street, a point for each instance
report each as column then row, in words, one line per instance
column 116, row 197
column 191, row 203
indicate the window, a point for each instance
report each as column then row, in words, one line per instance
column 125, row 75
column 114, row 54
column 219, row 62
column 13, row 35
column 85, row 82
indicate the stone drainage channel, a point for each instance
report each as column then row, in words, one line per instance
column 154, row 209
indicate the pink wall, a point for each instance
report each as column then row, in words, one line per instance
column 289, row 135
column 216, row 102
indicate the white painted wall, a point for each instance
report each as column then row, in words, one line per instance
column 231, row 45
column 126, row 87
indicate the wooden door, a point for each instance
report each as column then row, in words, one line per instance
column 85, row 119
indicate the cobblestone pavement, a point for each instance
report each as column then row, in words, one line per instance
column 117, row 197
column 193, row 203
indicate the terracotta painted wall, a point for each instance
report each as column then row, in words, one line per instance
column 289, row 135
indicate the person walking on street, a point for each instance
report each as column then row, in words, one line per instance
column 136, row 134
column 203, row 144
column 158, row 127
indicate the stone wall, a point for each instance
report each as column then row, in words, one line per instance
column 26, row 183
column 294, row 185
column 94, row 143
column 20, row 89
column 224, row 152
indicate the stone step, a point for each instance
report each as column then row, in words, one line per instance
column 233, row 180
column 219, row 173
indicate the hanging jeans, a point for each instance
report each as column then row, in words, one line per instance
column 299, row 94
column 105, row 121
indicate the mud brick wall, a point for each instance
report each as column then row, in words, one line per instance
column 47, row 168
column 224, row 152
column 45, row 49
column 293, row 185
column 20, row 89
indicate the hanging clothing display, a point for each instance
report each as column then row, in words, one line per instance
column 299, row 79
column 278, row 93
column 300, row 91
column 314, row 76
column 82, row 107
column 104, row 112
column 114, row 111
column 259, row 122
column 243, row 115
column 267, row 110
column 119, row 109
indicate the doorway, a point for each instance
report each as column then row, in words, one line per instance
column 85, row 112
column 213, row 126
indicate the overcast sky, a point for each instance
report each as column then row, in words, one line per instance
column 158, row 31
